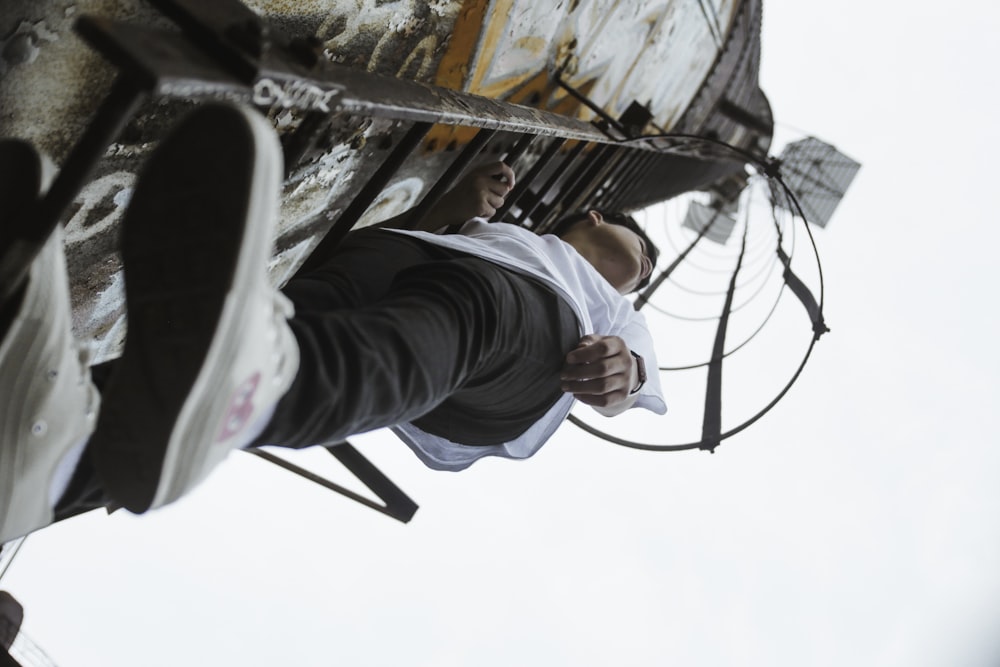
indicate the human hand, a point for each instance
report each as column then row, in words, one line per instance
column 479, row 194
column 601, row 372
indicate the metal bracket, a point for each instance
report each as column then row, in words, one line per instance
column 397, row 505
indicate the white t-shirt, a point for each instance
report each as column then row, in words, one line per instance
column 599, row 309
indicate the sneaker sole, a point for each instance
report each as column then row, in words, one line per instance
column 195, row 240
column 24, row 492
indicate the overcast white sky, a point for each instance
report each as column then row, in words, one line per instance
column 857, row 524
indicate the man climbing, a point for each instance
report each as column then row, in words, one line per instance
column 468, row 344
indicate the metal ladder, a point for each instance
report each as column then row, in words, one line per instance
column 225, row 51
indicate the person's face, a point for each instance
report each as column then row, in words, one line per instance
column 618, row 253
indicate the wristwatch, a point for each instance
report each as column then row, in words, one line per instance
column 641, row 367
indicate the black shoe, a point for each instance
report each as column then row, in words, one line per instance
column 208, row 349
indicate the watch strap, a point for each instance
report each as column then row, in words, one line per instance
column 640, row 365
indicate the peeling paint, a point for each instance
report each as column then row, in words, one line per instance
column 106, row 311
column 283, row 265
column 99, row 207
column 318, row 188
column 396, row 198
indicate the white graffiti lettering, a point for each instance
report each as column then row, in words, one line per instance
column 101, row 205
column 293, row 94
column 195, row 89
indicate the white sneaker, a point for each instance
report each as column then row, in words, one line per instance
column 48, row 406
column 208, row 351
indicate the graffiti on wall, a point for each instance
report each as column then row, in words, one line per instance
column 610, row 48
column 400, row 38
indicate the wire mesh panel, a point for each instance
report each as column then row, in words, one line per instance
column 719, row 225
column 819, row 175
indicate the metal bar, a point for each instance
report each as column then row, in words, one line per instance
column 227, row 30
column 41, row 218
column 621, row 180
column 518, row 149
column 375, row 185
column 173, row 66
column 313, row 477
column 711, row 430
column 587, row 178
column 745, row 118
column 180, row 68
column 448, row 179
column 610, row 178
column 397, row 504
column 640, row 176
column 632, row 122
column 616, row 183
column 525, row 182
column 605, row 166
column 165, row 63
column 247, row 45
column 800, row 290
column 611, row 120
column 549, row 184
column 370, row 94
column 638, row 179
column 570, row 185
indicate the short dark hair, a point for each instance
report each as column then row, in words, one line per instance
column 564, row 223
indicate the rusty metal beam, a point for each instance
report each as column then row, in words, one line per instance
column 168, row 65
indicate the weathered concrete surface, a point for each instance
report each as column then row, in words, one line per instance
column 657, row 52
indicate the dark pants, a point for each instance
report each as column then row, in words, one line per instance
column 391, row 330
